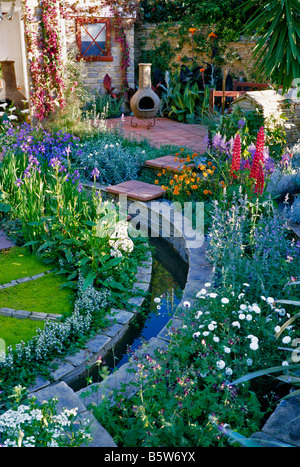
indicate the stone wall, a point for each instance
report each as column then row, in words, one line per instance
column 243, row 67
column 96, row 70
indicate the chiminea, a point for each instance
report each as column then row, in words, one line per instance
column 12, row 93
column 145, row 102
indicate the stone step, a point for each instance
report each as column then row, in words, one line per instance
column 136, row 190
column 170, row 163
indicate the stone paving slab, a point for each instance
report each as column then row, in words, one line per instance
column 137, row 190
column 5, row 242
column 67, row 399
column 164, row 132
column 170, row 163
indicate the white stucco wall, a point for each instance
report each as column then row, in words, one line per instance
column 12, row 45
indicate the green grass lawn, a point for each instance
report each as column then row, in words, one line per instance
column 13, row 330
column 18, row 262
column 43, row 295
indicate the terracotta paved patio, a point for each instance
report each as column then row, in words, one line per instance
column 164, row 132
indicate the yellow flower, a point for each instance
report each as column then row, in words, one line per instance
column 204, row 174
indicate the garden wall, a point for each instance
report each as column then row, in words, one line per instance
column 144, row 40
column 96, row 70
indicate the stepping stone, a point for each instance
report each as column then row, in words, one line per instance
column 4, row 241
column 137, row 190
column 171, row 163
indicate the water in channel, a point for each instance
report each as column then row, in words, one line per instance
column 168, row 279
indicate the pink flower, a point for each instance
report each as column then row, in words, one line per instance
column 236, row 158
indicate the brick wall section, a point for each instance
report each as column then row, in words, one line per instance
column 244, row 48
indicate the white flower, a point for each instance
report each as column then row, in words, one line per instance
column 243, row 307
column 196, row 334
column 157, row 300
column 213, row 295
column 12, row 117
column 220, row 364
column 256, row 308
column 263, row 298
column 286, row 340
column 277, row 329
column 241, row 295
column 249, row 361
column 216, row 339
column 285, row 363
column 211, row 327
column 206, row 333
column 224, row 300
column 246, row 285
column 242, row 316
column 248, row 317
column 186, row 304
column 236, row 323
column 198, row 314
column 207, row 284
column 270, row 300
column 228, row 371
column 201, row 292
column 3, row 105
column 254, row 345
column 227, row 349
column 253, row 338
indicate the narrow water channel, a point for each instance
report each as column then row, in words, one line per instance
column 169, row 274
column 168, row 279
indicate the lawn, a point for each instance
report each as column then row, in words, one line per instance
column 43, row 295
column 17, row 262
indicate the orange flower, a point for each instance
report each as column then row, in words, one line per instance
column 179, row 59
column 171, row 182
column 194, row 187
column 159, row 174
column 192, row 30
column 156, row 182
column 205, row 192
column 202, row 70
column 212, row 35
column 176, row 190
column 181, row 149
column 209, row 163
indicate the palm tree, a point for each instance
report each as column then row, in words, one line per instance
column 276, row 25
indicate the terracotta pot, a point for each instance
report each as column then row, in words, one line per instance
column 145, row 102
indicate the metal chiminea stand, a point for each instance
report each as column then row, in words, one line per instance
column 145, row 103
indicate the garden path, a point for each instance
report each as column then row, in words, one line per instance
column 164, row 132
column 4, row 241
